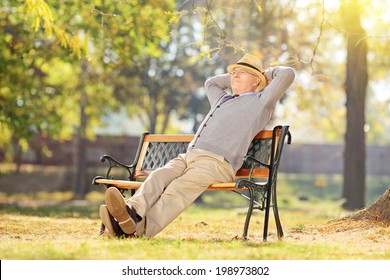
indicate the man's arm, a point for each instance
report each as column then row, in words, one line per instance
column 215, row 87
column 279, row 79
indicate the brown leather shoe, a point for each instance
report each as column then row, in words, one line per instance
column 111, row 224
column 118, row 208
column 108, row 221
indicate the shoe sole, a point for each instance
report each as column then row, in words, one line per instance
column 105, row 217
column 116, row 205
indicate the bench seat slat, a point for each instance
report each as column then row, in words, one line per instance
column 242, row 173
column 123, row 184
column 133, row 185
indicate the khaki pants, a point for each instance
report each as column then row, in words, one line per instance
column 168, row 191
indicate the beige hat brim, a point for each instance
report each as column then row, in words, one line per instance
column 263, row 80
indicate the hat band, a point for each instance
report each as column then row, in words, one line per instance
column 248, row 65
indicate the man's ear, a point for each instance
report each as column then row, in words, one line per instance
column 258, row 81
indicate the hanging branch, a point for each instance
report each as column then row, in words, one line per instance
column 103, row 14
column 318, row 38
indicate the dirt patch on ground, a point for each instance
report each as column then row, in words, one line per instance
column 357, row 236
column 367, row 230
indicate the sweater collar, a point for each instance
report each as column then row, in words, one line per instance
column 247, row 93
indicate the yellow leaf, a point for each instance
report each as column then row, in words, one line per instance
column 37, row 24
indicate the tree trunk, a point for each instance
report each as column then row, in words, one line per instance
column 167, row 117
column 17, row 153
column 80, row 189
column 356, row 83
column 81, row 158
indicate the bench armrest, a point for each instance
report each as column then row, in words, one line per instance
column 114, row 163
column 254, row 161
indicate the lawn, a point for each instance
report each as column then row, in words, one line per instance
column 42, row 225
column 48, row 226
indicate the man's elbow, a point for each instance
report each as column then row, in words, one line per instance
column 291, row 74
column 208, row 83
column 287, row 73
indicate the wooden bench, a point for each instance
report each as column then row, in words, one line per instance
column 257, row 176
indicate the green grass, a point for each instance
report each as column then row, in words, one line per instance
column 48, row 226
column 67, row 231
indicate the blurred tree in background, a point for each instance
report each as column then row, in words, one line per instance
column 59, row 84
column 355, row 88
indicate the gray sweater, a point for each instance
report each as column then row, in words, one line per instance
column 229, row 128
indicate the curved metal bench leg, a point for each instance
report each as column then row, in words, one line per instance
column 278, row 223
column 249, row 213
column 266, row 215
column 276, row 214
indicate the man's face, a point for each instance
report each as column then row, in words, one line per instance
column 243, row 80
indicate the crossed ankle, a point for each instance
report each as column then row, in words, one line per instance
column 133, row 214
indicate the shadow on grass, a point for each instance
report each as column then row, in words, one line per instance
column 58, row 210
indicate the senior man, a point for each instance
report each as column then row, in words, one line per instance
column 213, row 156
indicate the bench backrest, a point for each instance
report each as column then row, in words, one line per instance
column 155, row 150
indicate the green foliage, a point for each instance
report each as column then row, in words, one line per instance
column 39, row 13
column 133, row 28
column 43, row 84
column 23, row 95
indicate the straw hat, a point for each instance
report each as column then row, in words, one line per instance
column 252, row 63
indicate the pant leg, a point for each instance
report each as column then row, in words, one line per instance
column 203, row 168
column 155, row 185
